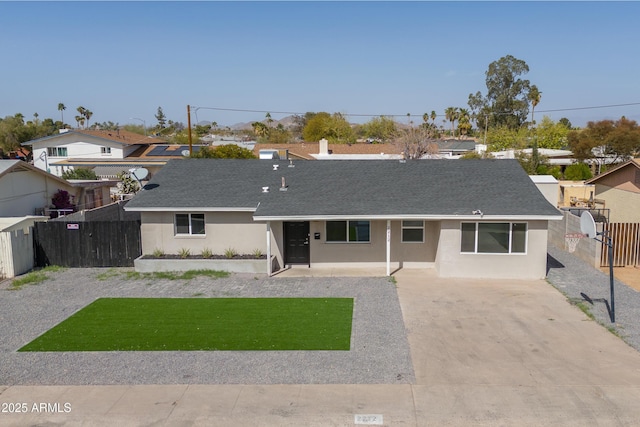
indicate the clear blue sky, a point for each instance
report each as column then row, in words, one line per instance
column 124, row 59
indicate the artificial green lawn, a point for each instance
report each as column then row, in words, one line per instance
column 171, row 324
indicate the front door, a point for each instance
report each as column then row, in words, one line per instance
column 296, row 241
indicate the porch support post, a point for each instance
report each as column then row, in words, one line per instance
column 388, row 247
column 269, row 248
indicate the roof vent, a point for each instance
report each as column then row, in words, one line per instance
column 284, row 185
column 265, row 189
column 291, row 165
column 275, row 167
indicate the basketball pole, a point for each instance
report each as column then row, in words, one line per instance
column 609, row 243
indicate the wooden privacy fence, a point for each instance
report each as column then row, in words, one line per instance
column 87, row 244
column 626, row 244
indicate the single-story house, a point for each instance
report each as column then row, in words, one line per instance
column 619, row 190
column 470, row 218
column 27, row 190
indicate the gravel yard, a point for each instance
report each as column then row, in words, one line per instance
column 379, row 349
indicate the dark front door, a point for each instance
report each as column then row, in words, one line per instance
column 296, row 240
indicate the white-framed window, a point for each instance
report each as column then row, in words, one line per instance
column 493, row 237
column 348, row 231
column 189, row 224
column 412, row 231
column 57, row 151
column 105, row 151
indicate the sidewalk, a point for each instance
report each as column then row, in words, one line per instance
column 484, row 352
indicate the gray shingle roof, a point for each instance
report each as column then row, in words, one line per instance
column 347, row 188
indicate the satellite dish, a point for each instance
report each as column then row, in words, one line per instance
column 588, row 225
column 139, row 173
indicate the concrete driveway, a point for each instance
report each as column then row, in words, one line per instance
column 485, row 353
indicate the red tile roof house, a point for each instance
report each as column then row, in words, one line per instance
column 464, row 218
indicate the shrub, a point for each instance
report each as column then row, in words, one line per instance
column 62, row 200
column 184, row 253
column 79, row 173
column 206, row 253
column 257, row 253
column 577, row 172
column 158, row 253
column 230, row 253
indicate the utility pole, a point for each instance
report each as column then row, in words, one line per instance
column 189, row 126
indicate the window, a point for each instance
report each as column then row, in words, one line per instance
column 493, row 237
column 412, row 231
column 105, row 150
column 348, row 231
column 57, row 151
column 189, row 224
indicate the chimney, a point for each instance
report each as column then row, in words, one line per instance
column 323, row 147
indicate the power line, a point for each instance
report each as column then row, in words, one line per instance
column 244, row 110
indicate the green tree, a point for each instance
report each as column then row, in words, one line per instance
column 87, row 115
column 333, row 127
column 503, row 138
column 79, row 173
column 551, row 134
column 227, row 151
column 565, row 122
column 506, row 102
column 578, row 172
column 80, row 118
column 161, row 118
column 379, row 128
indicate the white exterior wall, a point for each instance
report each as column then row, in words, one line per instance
column 223, row 230
column 450, row 262
column 16, row 253
column 22, row 192
column 78, row 147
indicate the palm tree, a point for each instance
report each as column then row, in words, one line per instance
column 534, row 96
column 425, row 117
column 61, row 108
column 433, row 116
column 87, row 115
column 81, row 110
column 269, row 119
column 451, row 114
column 35, row 117
column 464, row 121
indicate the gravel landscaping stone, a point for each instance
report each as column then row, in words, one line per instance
column 379, row 348
column 582, row 283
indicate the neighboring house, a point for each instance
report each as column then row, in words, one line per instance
column 560, row 158
column 323, row 150
column 619, row 189
column 472, row 218
column 72, row 148
column 27, row 190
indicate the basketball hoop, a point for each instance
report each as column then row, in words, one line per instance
column 571, row 240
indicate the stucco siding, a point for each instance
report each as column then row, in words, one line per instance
column 375, row 251
column 624, row 205
column 22, row 192
column 223, row 230
column 450, row 262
